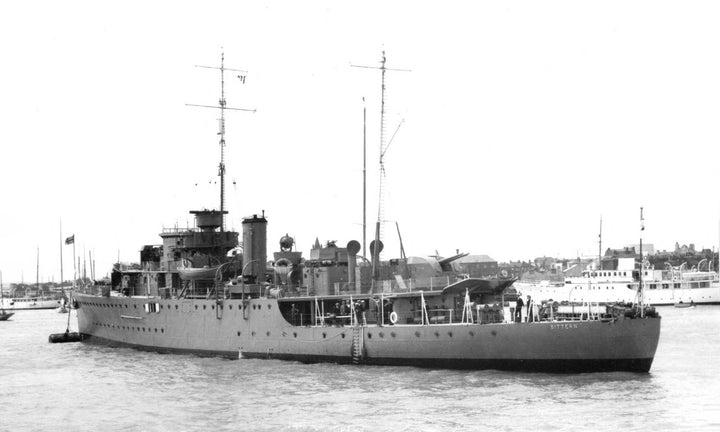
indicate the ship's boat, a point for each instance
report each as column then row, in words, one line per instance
column 191, row 273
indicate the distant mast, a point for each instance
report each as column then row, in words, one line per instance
column 640, row 289
column 37, row 271
column 222, row 105
column 600, row 246
column 62, row 286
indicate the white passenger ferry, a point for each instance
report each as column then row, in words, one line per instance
column 660, row 287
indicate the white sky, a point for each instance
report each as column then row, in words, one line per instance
column 524, row 123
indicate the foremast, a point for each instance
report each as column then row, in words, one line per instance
column 222, row 106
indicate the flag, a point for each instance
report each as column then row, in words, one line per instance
column 70, row 240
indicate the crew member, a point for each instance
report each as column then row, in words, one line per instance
column 518, row 308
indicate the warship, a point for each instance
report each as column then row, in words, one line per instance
column 208, row 291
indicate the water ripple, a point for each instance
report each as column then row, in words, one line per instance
column 88, row 388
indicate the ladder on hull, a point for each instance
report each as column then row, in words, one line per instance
column 357, row 345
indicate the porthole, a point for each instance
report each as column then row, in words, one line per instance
column 471, row 334
column 196, row 307
column 135, row 306
column 392, row 334
column 381, row 334
column 269, row 306
column 369, row 335
column 437, row 334
column 212, row 307
column 162, row 330
column 294, row 334
column 204, row 306
column 343, row 335
column 324, row 335
column 230, row 307
column 417, row 334
column 267, row 334
column 450, row 334
column 238, row 333
column 176, row 306
column 253, row 333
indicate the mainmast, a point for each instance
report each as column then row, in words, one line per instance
column 364, row 179
column 222, row 105
column 375, row 250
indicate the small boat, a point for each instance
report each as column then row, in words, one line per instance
column 4, row 316
column 190, row 273
column 62, row 309
column 680, row 304
column 68, row 336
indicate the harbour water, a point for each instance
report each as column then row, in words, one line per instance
column 84, row 387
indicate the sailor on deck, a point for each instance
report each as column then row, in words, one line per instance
column 518, row 308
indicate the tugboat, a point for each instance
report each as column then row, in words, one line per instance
column 197, row 293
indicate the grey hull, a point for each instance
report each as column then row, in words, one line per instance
column 259, row 331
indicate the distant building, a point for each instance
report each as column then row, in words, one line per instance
column 647, row 248
column 515, row 269
column 684, row 249
column 544, row 263
column 477, row 266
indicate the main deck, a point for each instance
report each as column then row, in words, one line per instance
column 263, row 328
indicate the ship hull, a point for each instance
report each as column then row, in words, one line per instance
column 256, row 329
column 526, row 365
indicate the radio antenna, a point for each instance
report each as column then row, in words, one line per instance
column 222, row 105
